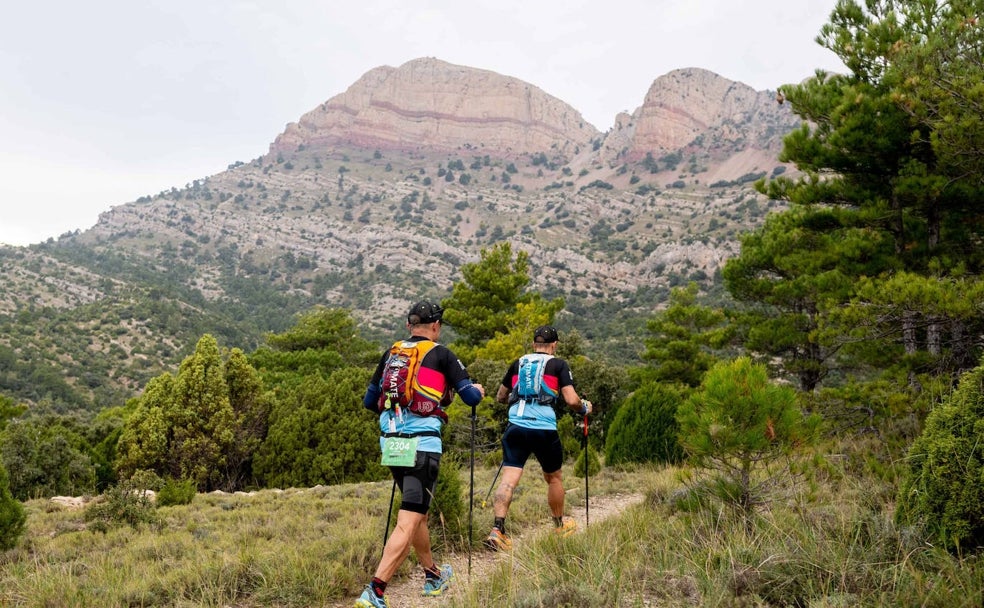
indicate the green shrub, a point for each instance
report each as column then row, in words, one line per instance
column 645, row 427
column 176, row 492
column 144, row 479
column 943, row 491
column 570, row 436
column 449, row 512
column 492, row 459
column 121, row 504
column 12, row 516
column 594, row 463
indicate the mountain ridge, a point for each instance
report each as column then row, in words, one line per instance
column 378, row 201
column 377, row 111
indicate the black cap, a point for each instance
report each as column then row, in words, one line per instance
column 545, row 334
column 424, row 312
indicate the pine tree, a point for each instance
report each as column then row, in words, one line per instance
column 883, row 142
column 484, row 303
column 738, row 429
column 683, row 339
column 802, row 264
column 12, row 516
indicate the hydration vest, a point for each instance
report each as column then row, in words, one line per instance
column 400, row 383
column 530, row 386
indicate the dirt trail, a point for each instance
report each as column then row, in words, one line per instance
column 404, row 592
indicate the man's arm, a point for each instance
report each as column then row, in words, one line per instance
column 571, row 398
column 505, row 386
column 470, row 392
column 502, row 396
column 569, row 394
column 456, row 374
column 371, row 399
column 574, row 401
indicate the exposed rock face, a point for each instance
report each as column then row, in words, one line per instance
column 337, row 225
column 695, row 108
column 428, row 104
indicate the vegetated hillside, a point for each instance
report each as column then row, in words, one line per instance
column 323, row 218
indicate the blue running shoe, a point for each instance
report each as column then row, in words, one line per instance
column 369, row 599
column 437, row 586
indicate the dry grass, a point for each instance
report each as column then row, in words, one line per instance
column 829, row 542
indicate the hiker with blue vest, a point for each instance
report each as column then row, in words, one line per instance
column 415, row 380
column 533, row 386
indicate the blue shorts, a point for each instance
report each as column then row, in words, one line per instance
column 519, row 442
column 417, row 482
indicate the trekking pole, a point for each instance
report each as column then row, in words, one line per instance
column 492, row 485
column 494, row 479
column 471, row 493
column 389, row 514
column 587, row 502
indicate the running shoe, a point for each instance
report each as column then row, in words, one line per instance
column 498, row 541
column 567, row 528
column 369, row 599
column 437, row 586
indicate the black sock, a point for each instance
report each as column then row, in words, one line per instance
column 559, row 521
column 432, row 572
column 378, row 587
column 500, row 523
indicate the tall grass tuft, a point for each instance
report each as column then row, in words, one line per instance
column 828, row 545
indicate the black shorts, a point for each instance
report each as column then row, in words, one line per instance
column 417, row 482
column 519, row 442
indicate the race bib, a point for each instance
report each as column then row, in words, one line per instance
column 400, row 451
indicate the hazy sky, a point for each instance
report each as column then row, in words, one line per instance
column 102, row 102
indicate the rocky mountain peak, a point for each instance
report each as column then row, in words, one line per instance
column 430, row 105
column 693, row 108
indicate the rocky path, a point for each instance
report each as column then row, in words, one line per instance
column 404, row 592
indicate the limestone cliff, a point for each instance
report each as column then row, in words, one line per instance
column 430, row 105
column 697, row 111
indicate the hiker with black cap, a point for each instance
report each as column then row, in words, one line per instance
column 413, row 383
column 533, row 385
